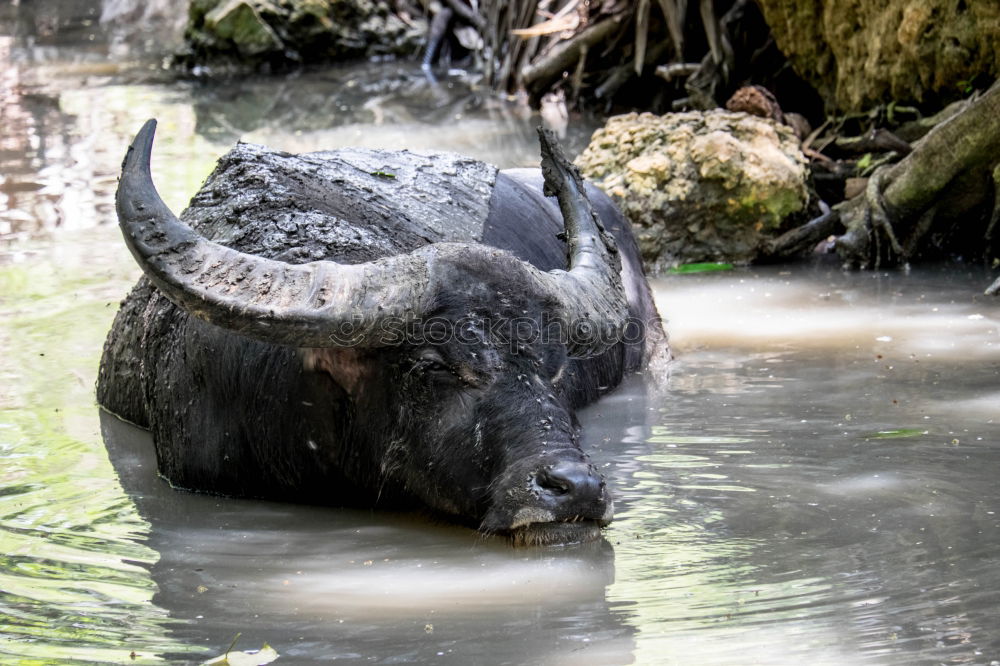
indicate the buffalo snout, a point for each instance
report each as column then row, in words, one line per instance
column 558, row 497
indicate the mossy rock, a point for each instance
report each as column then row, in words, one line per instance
column 251, row 33
column 699, row 186
column 240, row 22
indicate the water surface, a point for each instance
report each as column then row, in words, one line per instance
column 818, row 484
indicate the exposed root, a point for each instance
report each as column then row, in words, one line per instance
column 877, row 217
column 802, row 238
column 995, row 216
column 909, row 200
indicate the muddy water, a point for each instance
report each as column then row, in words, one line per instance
column 818, row 485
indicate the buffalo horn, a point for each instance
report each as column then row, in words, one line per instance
column 317, row 304
column 594, row 308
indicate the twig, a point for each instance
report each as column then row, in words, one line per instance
column 563, row 56
column 577, row 80
column 807, row 144
column 561, row 24
column 879, row 140
column 674, row 11
column 878, row 163
column 677, row 69
column 816, row 155
column 712, row 29
column 641, row 35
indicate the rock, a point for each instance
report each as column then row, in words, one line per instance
column 699, row 186
column 757, row 101
column 858, row 53
column 247, row 34
column 240, row 22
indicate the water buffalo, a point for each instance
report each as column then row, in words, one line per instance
column 380, row 328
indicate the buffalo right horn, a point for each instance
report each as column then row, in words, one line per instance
column 594, row 307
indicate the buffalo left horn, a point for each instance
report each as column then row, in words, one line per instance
column 292, row 304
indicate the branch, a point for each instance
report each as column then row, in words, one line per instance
column 804, row 237
column 675, row 70
column 563, row 57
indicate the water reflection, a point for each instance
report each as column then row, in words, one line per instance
column 384, row 105
column 61, row 161
column 73, row 570
column 53, row 169
column 73, row 94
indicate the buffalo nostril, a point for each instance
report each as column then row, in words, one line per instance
column 570, row 479
column 553, row 482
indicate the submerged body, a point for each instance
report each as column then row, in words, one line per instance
column 444, row 369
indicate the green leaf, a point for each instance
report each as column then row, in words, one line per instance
column 896, row 434
column 383, row 174
column 684, row 269
column 865, row 162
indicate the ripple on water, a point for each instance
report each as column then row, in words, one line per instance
column 806, row 506
column 74, row 575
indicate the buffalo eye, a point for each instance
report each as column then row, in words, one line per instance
column 434, row 366
column 431, row 363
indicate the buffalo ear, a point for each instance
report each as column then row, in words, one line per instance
column 349, row 367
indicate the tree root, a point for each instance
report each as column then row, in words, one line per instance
column 866, row 239
column 805, row 237
column 878, row 217
column 901, row 201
